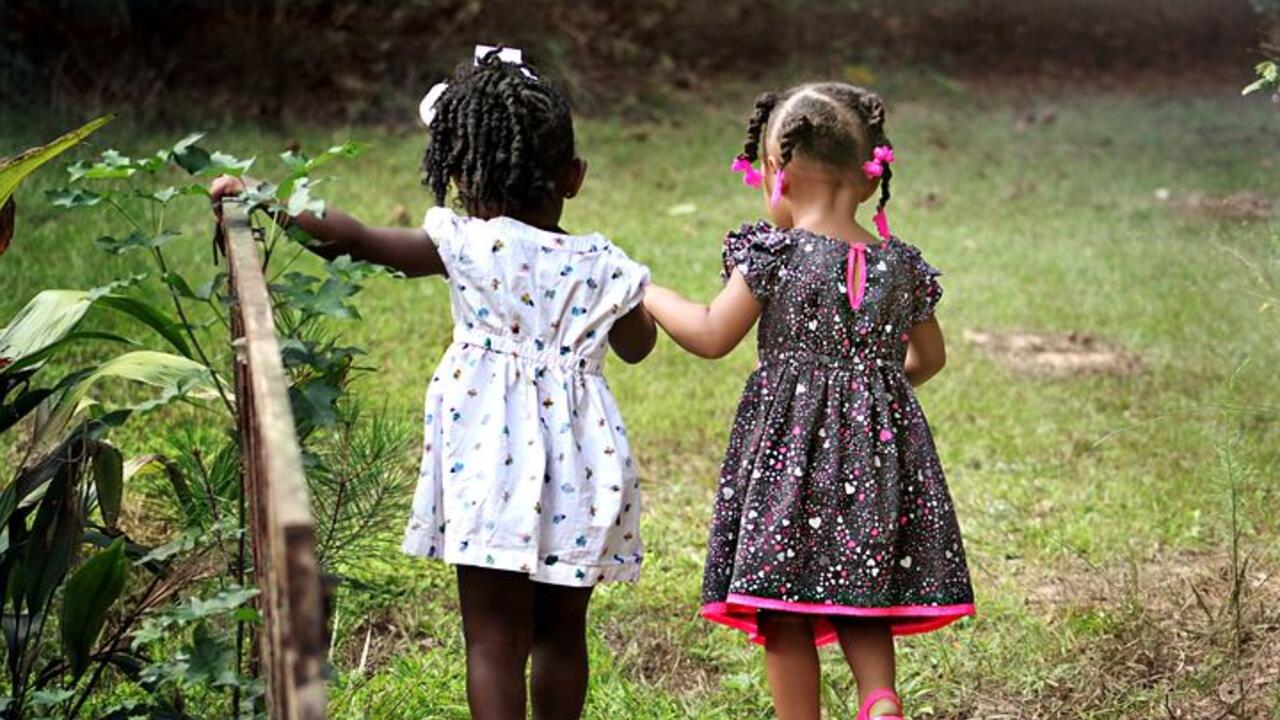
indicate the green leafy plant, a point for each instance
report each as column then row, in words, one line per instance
column 183, row 635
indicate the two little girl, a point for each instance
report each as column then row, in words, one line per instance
column 832, row 518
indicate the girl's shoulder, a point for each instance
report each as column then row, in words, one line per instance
column 759, row 235
column 758, row 240
column 453, row 232
column 913, row 261
column 920, row 277
column 760, row 252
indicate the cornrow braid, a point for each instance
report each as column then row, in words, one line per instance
column 795, row 130
column 502, row 136
column 765, row 104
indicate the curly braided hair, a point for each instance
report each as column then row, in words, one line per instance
column 834, row 123
column 502, row 137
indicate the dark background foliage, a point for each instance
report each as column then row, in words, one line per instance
column 356, row 60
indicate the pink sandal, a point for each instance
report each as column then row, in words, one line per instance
column 875, row 697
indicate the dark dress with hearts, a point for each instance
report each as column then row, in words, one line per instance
column 831, row 500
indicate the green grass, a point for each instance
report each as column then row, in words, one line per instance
column 1090, row 492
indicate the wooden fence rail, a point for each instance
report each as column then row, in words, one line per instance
column 291, row 640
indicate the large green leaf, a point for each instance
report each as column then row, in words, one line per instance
column 13, row 170
column 90, row 593
column 150, row 316
column 48, row 351
column 50, row 316
column 45, row 320
column 175, row 376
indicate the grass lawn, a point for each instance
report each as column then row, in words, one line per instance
column 1096, row 508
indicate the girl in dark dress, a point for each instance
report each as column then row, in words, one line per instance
column 832, row 518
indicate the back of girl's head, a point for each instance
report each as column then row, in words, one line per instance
column 502, row 135
column 834, row 124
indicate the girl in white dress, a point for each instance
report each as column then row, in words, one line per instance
column 527, row 482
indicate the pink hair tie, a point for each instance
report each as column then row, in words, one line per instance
column 882, row 223
column 881, row 158
column 750, row 176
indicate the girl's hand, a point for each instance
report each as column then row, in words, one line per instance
column 223, row 186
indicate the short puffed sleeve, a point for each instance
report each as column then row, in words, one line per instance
column 629, row 278
column 926, row 291
column 446, row 230
column 759, row 252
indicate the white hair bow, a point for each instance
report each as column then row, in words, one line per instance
column 427, row 108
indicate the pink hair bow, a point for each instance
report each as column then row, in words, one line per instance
column 750, row 176
column 881, row 158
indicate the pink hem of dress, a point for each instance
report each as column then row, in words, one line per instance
column 739, row 612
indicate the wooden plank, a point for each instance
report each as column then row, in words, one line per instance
column 292, row 637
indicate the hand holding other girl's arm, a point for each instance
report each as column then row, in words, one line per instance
column 408, row 250
column 709, row 331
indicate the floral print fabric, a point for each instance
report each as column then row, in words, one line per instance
column 831, row 498
column 525, row 461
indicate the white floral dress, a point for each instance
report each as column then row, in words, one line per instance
column 525, row 460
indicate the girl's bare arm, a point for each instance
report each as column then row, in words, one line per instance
column 408, row 250
column 634, row 335
column 926, row 351
column 709, row 331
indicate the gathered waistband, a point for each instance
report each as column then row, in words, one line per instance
column 803, row 356
column 530, row 352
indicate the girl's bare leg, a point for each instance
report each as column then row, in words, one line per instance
column 497, row 622
column 791, row 663
column 559, row 676
column 868, row 648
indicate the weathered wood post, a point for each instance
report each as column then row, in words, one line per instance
column 292, row 635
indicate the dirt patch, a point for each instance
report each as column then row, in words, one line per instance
column 1177, row 626
column 1055, row 354
column 1243, row 206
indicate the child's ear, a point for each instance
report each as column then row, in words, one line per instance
column 575, row 176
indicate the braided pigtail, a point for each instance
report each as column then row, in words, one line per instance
column 873, row 113
column 871, row 108
column 756, row 125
